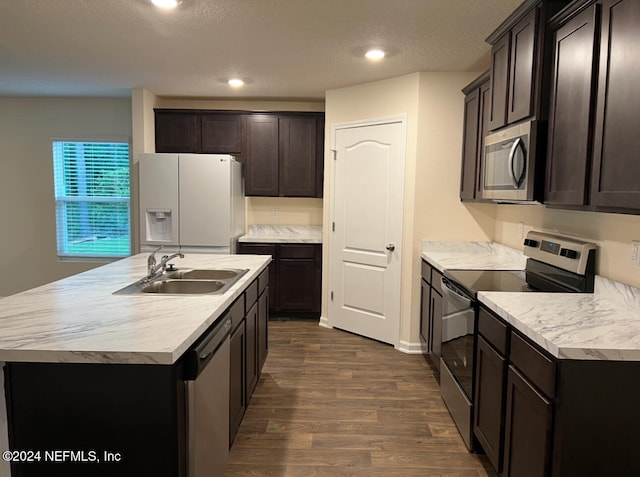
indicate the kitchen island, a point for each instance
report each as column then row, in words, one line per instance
column 99, row 376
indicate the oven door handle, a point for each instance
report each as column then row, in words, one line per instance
column 448, row 289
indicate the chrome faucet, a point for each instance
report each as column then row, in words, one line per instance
column 153, row 267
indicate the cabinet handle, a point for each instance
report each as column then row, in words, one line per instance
column 391, row 247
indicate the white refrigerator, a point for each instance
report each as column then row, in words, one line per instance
column 194, row 202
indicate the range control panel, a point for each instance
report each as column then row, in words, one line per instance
column 568, row 253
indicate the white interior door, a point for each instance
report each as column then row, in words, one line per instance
column 366, row 249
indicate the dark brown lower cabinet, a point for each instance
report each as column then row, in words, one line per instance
column 431, row 314
column 425, row 304
column 251, row 324
column 528, row 433
column 295, row 280
column 237, row 388
column 435, row 322
column 263, row 326
column 551, row 417
column 488, row 423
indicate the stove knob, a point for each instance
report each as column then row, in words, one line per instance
column 565, row 252
column 530, row 243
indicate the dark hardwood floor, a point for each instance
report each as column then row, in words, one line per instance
column 330, row 403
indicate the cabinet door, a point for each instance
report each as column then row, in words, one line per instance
column 570, row 115
column 470, row 145
column 435, row 324
column 222, row 133
column 251, row 338
column 522, row 64
column 488, row 424
column 500, row 54
column 298, row 156
column 483, row 128
column 265, row 249
column 299, row 286
column 425, row 306
column 527, row 446
column 237, row 388
column 616, row 141
column 263, row 329
column 261, row 174
column 177, row 131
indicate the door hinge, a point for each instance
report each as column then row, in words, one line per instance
column 331, row 296
column 333, row 226
column 335, row 154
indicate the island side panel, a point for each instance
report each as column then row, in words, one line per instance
column 134, row 412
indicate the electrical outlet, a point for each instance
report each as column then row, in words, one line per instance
column 275, row 212
column 521, row 229
column 635, row 253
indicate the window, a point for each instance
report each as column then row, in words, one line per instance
column 92, row 198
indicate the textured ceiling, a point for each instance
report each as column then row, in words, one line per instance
column 293, row 49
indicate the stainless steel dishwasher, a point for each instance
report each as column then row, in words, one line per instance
column 207, row 399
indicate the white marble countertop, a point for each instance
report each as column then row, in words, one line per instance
column 472, row 256
column 283, row 234
column 79, row 320
column 604, row 325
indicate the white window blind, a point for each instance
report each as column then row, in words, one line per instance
column 92, row 192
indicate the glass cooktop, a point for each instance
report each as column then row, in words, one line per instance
column 490, row 280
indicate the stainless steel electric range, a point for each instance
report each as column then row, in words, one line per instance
column 554, row 264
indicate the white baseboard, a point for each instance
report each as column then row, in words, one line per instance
column 411, row 348
column 324, row 322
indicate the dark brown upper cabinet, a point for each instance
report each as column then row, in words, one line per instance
column 261, row 175
column 593, row 145
column 177, row 131
column 520, row 53
column 211, row 132
column 476, row 115
column 222, row 133
column 284, row 155
column 283, row 152
column 571, row 110
column 616, row 163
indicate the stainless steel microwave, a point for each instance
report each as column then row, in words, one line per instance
column 508, row 166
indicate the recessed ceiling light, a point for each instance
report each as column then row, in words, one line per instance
column 166, row 4
column 374, row 54
column 236, row 82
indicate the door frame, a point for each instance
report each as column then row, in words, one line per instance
column 326, row 321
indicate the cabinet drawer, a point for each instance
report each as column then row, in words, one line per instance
column 297, row 251
column 236, row 311
column 251, row 295
column 539, row 369
column 494, row 330
column 436, row 282
column 263, row 280
column 257, row 249
column 426, row 272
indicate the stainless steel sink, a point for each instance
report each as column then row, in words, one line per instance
column 189, row 287
column 201, row 274
column 186, row 282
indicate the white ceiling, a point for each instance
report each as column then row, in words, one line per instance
column 294, row 49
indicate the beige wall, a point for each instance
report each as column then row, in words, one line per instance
column 433, row 104
column 437, row 213
column 27, row 208
column 284, row 211
column 612, row 232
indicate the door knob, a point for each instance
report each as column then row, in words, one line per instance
column 391, row 247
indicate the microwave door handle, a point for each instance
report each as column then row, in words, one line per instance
column 518, row 144
column 512, row 156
